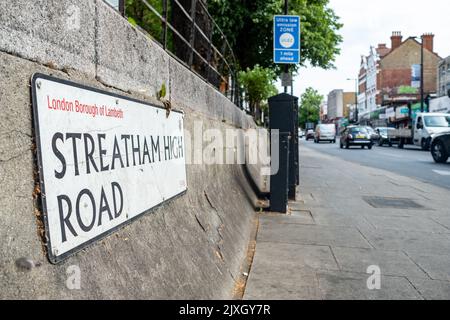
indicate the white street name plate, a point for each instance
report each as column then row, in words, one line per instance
column 104, row 160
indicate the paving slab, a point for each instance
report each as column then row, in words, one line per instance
column 313, row 235
column 295, row 255
column 414, row 223
column 432, row 289
column 295, row 217
column 293, row 283
column 436, row 266
column 391, row 263
column 408, row 241
column 353, row 286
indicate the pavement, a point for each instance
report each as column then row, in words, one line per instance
column 348, row 219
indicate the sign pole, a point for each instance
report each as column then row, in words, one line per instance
column 286, row 67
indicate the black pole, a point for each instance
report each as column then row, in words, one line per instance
column 356, row 100
column 122, row 7
column 421, row 78
column 286, row 67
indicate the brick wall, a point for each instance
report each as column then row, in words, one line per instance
column 396, row 67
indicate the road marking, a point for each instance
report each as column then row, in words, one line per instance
column 442, row 172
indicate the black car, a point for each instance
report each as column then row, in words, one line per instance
column 387, row 136
column 440, row 147
column 356, row 136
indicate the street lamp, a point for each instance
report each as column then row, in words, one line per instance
column 422, row 107
column 356, row 98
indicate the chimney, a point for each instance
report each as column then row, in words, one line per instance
column 428, row 41
column 396, row 39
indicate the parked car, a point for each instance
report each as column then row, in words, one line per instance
column 309, row 134
column 356, row 136
column 386, row 136
column 373, row 134
column 301, row 133
column 325, row 132
column 440, row 147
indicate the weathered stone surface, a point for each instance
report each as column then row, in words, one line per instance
column 191, row 247
column 60, row 33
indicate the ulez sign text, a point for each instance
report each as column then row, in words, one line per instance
column 286, row 39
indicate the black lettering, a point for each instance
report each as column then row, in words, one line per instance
column 175, row 148
column 74, row 137
column 59, row 136
column 126, row 137
column 146, row 152
column 102, row 152
column 64, row 221
column 104, row 206
column 116, row 155
column 80, row 222
column 181, row 147
column 136, row 150
column 155, row 149
column 167, row 151
column 89, row 151
column 115, row 186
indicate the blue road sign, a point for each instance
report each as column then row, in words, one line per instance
column 286, row 39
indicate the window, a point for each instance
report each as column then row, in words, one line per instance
column 437, row 121
column 419, row 123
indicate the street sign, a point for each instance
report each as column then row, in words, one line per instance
column 104, row 160
column 286, row 39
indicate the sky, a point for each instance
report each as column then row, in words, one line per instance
column 370, row 22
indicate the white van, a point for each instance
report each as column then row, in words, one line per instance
column 325, row 132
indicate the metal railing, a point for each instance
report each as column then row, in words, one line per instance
column 186, row 30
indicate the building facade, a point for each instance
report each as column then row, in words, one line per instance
column 443, row 78
column 339, row 106
column 391, row 76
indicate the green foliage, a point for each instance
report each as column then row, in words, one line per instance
column 162, row 92
column 139, row 14
column 309, row 107
column 258, row 85
column 132, row 22
column 248, row 26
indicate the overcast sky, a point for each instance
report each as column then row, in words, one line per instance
column 369, row 22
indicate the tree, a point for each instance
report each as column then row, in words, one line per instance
column 258, row 86
column 309, row 107
column 248, row 25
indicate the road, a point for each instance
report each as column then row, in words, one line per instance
column 411, row 161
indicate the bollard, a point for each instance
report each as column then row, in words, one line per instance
column 283, row 114
column 279, row 182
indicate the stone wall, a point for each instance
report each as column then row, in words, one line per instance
column 191, row 247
